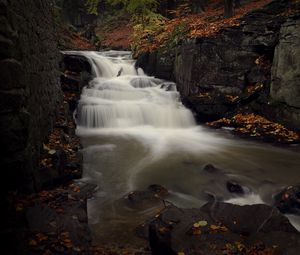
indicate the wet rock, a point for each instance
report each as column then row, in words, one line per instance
column 209, row 107
column 76, row 63
column 63, row 217
column 158, row 190
column 60, row 160
column 234, row 187
column 160, row 64
column 285, row 71
column 211, row 169
column 142, row 82
column 209, row 229
column 168, row 86
column 141, row 198
column 288, row 200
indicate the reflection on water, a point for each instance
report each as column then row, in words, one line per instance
column 135, row 133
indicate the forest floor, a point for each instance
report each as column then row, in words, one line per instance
column 69, row 39
column 116, row 34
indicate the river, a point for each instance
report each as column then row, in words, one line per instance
column 135, row 132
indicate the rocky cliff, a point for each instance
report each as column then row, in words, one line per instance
column 211, row 71
column 285, row 79
column 30, row 91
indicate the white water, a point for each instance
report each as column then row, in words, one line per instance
column 130, row 100
column 136, row 132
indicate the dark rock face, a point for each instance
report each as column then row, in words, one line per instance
column 225, row 64
column 77, row 73
column 152, row 195
column 234, row 187
column 288, row 200
column 207, row 70
column 285, row 87
column 76, row 63
column 29, row 92
column 176, row 230
column 160, row 64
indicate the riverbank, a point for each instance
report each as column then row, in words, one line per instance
column 53, row 219
column 245, row 69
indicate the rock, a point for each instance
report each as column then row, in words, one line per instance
column 66, row 216
column 285, row 78
column 29, row 59
column 234, row 187
column 10, row 74
column 227, row 63
column 154, row 194
column 60, row 160
column 211, row 168
column 158, row 190
column 76, row 63
column 288, row 200
column 174, row 231
column 168, row 86
column 159, row 64
column 208, row 108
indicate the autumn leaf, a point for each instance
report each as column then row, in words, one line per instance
column 33, row 242
column 41, row 237
column 196, row 231
column 163, row 230
column 218, row 228
column 201, row 223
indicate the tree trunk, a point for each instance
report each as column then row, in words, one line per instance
column 237, row 4
column 228, row 8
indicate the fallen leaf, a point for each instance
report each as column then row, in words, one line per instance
column 33, row 242
column 201, row 223
column 196, row 231
column 52, row 152
column 163, row 230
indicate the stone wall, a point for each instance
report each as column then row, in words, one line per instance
column 29, row 86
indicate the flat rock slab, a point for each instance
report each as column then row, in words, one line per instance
column 222, row 228
column 58, row 222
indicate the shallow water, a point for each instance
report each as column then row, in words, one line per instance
column 135, row 133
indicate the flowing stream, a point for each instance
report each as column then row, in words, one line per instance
column 136, row 132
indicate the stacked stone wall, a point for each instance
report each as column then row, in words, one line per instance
column 29, row 86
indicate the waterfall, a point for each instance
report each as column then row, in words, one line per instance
column 135, row 132
column 122, row 97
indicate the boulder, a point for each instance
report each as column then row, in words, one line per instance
column 288, row 200
column 159, row 64
column 142, row 198
column 221, row 228
column 234, row 187
column 76, row 63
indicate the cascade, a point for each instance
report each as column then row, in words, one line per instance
column 121, row 96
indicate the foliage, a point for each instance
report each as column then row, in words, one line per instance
column 92, row 6
column 144, row 33
column 258, row 126
column 136, row 6
column 186, row 24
